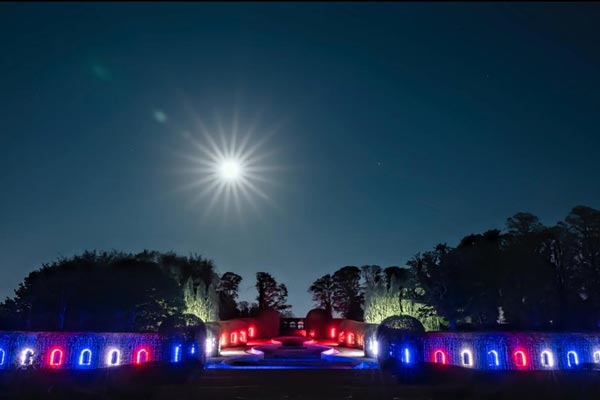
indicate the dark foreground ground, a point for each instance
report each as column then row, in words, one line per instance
column 155, row 382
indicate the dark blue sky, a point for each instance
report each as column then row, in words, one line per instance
column 397, row 126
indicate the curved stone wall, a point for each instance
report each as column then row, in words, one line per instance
column 491, row 350
column 512, row 350
column 396, row 343
column 71, row 350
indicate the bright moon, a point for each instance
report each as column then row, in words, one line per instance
column 230, row 170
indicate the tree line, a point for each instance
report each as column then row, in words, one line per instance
column 118, row 291
column 528, row 276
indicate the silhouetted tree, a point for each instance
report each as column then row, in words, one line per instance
column 347, row 294
column 531, row 277
column 271, row 295
column 527, row 284
column 247, row 310
column 558, row 249
column 396, row 275
column 322, row 291
column 522, row 224
column 228, row 294
column 113, row 291
column 583, row 225
column 441, row 281
column 372, row 275
column 528, row 277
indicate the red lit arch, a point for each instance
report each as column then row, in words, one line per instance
column 142, row 356
column 520, row 358
column 439, row 357
column 56, row 357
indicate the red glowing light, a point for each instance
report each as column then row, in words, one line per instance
column 312, row 333
column 332, row 333
column 251, row 331
column 223, row 339
column 351, row 338
column 142, row 356
column 520, row 358
column 233, row 338
column 56, row 357
column 243, row 336
column 439, row 357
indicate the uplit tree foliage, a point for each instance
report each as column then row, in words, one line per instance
column 426, row 314
column 381, row 299
column 380, row 304
column 201, row 299
column 392, row 292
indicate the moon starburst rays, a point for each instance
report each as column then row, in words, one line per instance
column 227, row 169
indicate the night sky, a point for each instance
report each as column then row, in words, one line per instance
column 382, row 129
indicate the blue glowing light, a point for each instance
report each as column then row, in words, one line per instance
column 177, row 353
column 572, row 359
column 193, row 349
column 2, row 356
column 85, row 357
column 493, row 360
column 406, row 356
